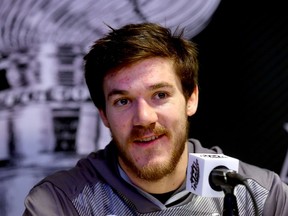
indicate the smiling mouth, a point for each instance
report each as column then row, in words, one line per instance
column 141, row 136
column 147, row 139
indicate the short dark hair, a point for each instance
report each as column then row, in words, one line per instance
column 133, row 43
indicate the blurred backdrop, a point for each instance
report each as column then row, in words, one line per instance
column 47, row 120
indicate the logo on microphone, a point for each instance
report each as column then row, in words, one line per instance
column 213, row 156
column 195, row 173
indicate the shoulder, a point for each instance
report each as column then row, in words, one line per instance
column 46, row 199
column 268, row 187
column 264, row 177
column 54, row 194
column 71, row 181
column 195, row 146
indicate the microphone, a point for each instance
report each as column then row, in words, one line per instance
column 208, row 174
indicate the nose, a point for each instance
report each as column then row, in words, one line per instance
column 145, row 114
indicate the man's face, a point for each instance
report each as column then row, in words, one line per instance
column 147, row 115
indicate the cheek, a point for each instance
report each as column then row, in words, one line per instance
column 170, row 119
column 180, row 116
column 117, row 123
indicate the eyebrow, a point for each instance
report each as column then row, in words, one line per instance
column 152, row 87
column 160, row 85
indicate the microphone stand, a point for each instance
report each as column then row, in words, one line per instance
column 221, row 180
column 230, row 203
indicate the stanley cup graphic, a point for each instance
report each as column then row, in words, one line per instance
column 45, row 102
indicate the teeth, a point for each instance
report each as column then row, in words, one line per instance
column 148, row 139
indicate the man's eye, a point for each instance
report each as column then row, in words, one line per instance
column 121, row 102
column 161, row 95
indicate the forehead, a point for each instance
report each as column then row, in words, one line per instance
column 147, row 72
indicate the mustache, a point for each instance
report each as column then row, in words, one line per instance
column 139, row 132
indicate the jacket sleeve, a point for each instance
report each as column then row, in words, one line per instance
column 277, row 200
column 47, row 200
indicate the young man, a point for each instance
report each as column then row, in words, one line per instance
column 143, row 80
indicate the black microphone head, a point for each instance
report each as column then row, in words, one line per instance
column 216, row 177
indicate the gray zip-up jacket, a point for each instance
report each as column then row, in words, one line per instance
column 98, row 186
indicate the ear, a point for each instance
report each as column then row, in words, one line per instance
column 103, row 117
column 192, row 102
